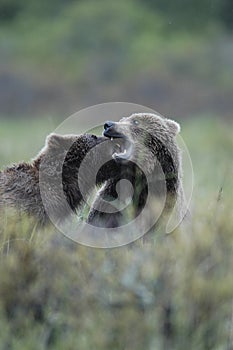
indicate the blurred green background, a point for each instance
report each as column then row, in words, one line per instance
column 176, row 57
column 61, row 55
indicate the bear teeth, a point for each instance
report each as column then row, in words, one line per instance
column 111, row 138
column 124, row 151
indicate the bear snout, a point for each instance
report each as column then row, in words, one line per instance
column 112, row 130
column 108, row 125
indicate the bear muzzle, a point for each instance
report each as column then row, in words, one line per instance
column 122, row 147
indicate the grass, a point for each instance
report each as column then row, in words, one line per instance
column 178, row 294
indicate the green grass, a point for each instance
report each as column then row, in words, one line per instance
column 176, row 294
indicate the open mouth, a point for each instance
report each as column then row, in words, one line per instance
column 122, row 147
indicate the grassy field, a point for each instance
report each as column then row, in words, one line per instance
column 176, row 294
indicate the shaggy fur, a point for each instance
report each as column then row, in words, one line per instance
column 149, row 145
column 20, row 187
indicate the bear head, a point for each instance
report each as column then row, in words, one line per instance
column 143, row 138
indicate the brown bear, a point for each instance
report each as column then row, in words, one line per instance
column 150, row 159
column 20, row 184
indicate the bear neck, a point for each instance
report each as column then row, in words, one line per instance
column 168, row 160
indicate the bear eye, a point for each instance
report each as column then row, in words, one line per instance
column 136, row 122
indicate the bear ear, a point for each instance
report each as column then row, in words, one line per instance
column 55, row 140
column 173, row 126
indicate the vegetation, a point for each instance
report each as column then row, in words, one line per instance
column 176, row 294
column 59, row 55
